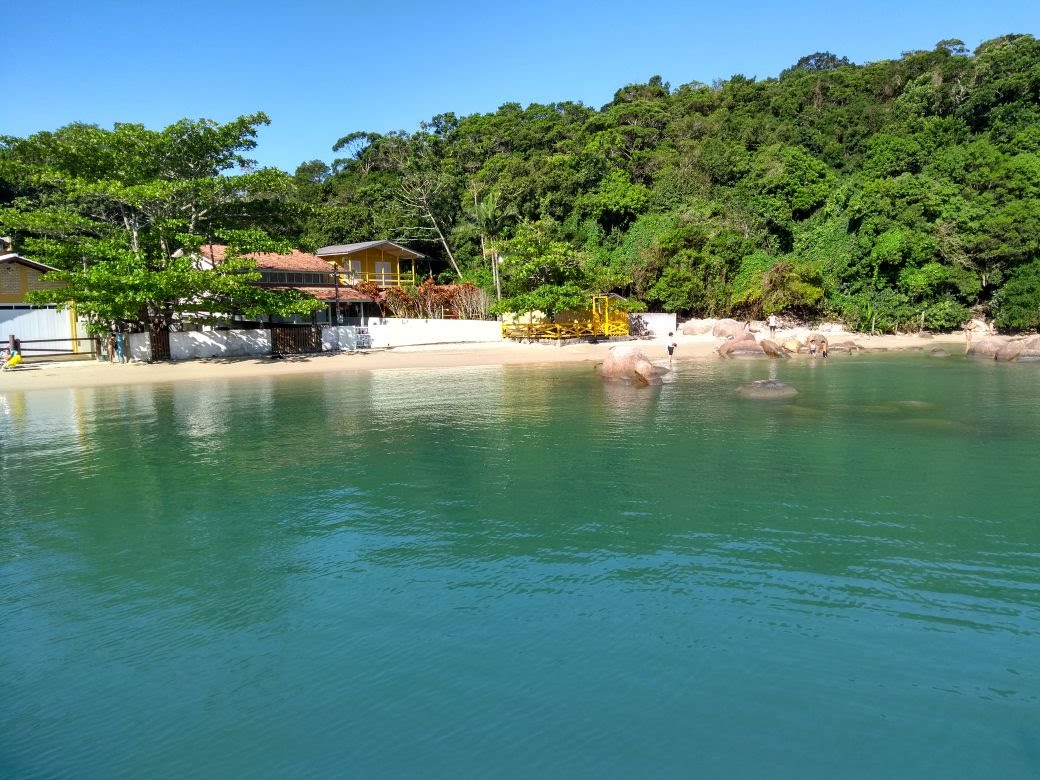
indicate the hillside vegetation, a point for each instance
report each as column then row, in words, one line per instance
column 896, row 194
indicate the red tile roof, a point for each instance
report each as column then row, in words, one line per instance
column 269, row 261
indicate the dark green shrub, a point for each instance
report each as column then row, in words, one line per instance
column 1017, row 304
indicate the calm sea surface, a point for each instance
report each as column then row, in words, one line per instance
column 523, row 572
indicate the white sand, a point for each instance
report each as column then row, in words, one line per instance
column 40, row 373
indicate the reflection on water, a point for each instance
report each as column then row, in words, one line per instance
column 517, row 570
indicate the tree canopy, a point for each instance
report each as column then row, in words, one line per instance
column 119, row 213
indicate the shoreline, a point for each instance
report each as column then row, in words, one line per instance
column 42, row 374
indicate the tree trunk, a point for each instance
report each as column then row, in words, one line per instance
column 495, row 258
column 444, row 242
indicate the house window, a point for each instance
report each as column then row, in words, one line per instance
column 286, row 277
column 383, row 272
column 353, row 272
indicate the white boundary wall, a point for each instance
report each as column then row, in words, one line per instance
column 139, row 346
column 658, row 324
column 338, row 338
column 393, row 332
column 193, row 345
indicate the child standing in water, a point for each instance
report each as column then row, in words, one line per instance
column 672, row 344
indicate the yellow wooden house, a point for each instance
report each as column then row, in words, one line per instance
column 19, row 275
column 383, row 262
column 43, row 329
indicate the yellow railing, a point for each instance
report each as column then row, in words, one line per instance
column 574, row 329
column 388, row 279
column 600, row 320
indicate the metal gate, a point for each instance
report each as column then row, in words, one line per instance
column 295, row 339
column 160, row 343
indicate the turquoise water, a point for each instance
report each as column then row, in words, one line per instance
column 515, row 572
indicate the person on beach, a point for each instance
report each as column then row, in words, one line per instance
column 672, row 344
column 969, row 327
column 812, row 347
column 13, row 360
column 772, row 326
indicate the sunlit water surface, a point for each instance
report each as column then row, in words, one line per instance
column 525, row 572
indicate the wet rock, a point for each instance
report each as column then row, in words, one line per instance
column 627, row 363
column 1020, row 350
column 772, row 349
column 1030, row 350
column 849, row 347
column 766, row 388
column 742, row 348
column 986, row 348
column 1009, row 351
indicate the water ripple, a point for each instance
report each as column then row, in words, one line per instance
column 495, row 571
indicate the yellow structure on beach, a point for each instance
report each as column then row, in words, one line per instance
column 599, row 320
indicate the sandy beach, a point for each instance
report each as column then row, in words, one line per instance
column 41, row 373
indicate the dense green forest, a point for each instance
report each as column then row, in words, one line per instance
column 897, row 194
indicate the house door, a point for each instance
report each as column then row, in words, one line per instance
column 384, row 273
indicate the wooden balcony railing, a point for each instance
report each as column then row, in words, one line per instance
column 382, row 279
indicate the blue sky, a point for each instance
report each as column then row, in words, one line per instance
column 323, row 69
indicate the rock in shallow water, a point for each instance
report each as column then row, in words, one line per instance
column 742, row 348
column 628, row 363
column 766, row 388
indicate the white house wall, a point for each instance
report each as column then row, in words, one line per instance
column 38, row 324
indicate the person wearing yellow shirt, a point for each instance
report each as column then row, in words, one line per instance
column 14, row 360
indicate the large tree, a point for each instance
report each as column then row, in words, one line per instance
column 119, row 213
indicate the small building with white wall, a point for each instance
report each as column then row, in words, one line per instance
column 43, row 330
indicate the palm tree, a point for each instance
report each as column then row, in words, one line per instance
column 491, row 219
